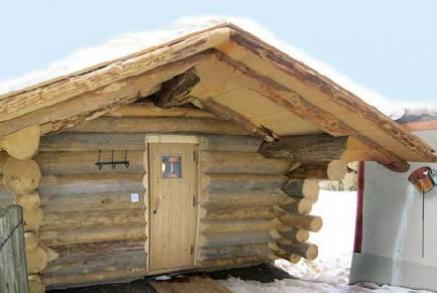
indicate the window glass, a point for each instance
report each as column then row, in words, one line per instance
column 171, row 167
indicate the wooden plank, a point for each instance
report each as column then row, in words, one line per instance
column 13, row 267
column 148, row 109
column 194, row 284
column 159, row 125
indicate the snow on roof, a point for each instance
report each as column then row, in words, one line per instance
column 132, row 42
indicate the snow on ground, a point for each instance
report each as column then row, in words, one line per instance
column 298, row 286
column 335, row 240
column 136, row 41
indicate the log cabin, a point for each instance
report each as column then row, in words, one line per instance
column 198, row 154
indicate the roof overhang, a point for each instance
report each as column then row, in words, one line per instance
column 263, row 85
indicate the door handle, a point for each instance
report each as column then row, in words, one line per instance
column 155, row 209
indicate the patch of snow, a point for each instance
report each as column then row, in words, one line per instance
column 335, row 240
column 237, row 285
column 133, row 42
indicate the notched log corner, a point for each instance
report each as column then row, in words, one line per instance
column 176, row 91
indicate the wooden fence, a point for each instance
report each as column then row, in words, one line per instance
column 13, row 269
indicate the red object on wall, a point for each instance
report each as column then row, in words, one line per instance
column 359, row 217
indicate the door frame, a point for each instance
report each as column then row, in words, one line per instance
column 165, row 138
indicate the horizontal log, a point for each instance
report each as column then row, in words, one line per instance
column 234, row 251
column 241, row 162
column 240, row 213
column 301, row 206
column 84, row 202
column 230, row 143
column 305, row 250
column 303, row 148
column 95, row 277
column 216, row 240
column 94, row 183
column 228, row 226
column 117, row 261
column 220, row 182
column 246, row 198
column 87, row 235
column 77, row 142
column 307, row 188
column 74, row 253
column 292, row 234
column 293, row 258
column 230, row 262
column 334, row 170
column 305, row 222
column 150, row 110
column 81, row 219
column 68, row 163
column 158, row 125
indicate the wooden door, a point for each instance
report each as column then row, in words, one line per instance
column 173, row 212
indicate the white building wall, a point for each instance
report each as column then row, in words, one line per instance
column 385, row 198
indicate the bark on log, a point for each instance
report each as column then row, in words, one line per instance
column 150, row 110
column 234, row 251
column 175, row 92
column 96, row 277
column 233, row 238
column 239, row 213
column 94, row 183
column 306, row 188
column 293, row 258
column 334, row 170
column 234, row 182
column 304, row 148
column 87, row 235
column 241, row 162
column 299, row 206
column 229, row 114
column 23, row 144
column 158, row 125
column 4, row 156
column 305, row 250
column 97, row 218
column 258, row 198
column 292, row 234
column 230, row 143
column 229, row 226
column 69, row 163
column 21, row 176
column 229, row 262
column 78, row 142
column 88, row 202
column 117, row 261
column 305, row 222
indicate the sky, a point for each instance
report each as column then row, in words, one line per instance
column 388, row 46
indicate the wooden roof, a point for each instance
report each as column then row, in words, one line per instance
column 265, row 87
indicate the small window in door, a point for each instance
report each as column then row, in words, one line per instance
column 171, row 166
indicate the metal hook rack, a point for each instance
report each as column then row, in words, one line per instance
column 113, row 162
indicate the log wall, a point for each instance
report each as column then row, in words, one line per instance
column 249, row 210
